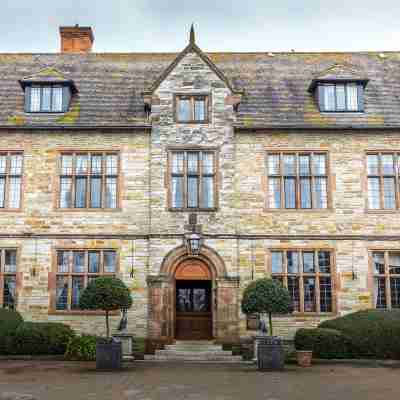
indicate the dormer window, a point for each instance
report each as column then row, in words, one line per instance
column 47, row 98
column 340, row 97
column 192, row 109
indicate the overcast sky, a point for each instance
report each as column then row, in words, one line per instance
column 221, row 25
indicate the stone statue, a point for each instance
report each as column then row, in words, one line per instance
column 124, row 321
column 262, row 327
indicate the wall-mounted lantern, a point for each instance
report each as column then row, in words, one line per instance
column 193, row 243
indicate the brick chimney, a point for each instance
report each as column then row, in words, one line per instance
column 76, row 39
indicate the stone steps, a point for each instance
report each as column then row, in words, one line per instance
column 199, row 351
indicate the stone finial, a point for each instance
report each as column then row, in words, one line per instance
column 192, row 39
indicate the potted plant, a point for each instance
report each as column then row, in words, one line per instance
column 266, row 297
column 304, row 343
column 106, row 294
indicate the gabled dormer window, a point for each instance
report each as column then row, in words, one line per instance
column 340, row 96
column 47, row 98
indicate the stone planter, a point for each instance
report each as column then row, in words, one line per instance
column 270, row 353
column 109, row 355
column 304, row 358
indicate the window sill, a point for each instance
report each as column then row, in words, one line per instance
column 13, row 210
column 333, row 113
column 370, row 211
column 82, row 312
column 192, row 122
column 46, row 112
column 307, row 314
column 91, row 210
column 193, row 210
column 299, row 210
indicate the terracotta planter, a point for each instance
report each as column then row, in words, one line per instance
column 304, row 358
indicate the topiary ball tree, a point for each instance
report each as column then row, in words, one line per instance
column 266, row 296
column 107, row 294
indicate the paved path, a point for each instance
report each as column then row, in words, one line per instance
column 156, row 381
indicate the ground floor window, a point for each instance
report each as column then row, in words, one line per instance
column 386, row 268
column 307, row 274
column 8, row 278
column 75, row 269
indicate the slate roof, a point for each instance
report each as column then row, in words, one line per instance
column 110, row 88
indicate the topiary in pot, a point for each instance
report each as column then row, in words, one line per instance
column 106, row 294
column 266, row 296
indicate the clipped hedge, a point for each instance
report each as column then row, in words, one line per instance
column 325, row 343
column 81, row 348
column 9, row 322
column 373, row 333
column 41, row 338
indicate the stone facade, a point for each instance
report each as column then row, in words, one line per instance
column 238, row 236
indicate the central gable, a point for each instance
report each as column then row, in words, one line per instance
column 192, row 60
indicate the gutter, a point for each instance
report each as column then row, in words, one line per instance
column 315, row 128
column 73, row 127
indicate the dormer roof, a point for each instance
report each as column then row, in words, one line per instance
column 342, row 72
column 48, row 75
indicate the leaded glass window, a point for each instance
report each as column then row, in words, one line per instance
column 192, row 108
column 297, row 180
column 75, row 269
column 341, row 97
column 192, row 180
column 383, row 181
column 8, row 278
column 89, row 180
column 47, row 98
column 307, row 276
column 386, row 271
column 10, row 180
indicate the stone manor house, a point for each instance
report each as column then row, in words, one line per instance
column 189, row 175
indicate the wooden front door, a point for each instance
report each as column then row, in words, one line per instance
column 193, row 310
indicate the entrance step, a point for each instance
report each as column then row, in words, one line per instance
column 201, row 351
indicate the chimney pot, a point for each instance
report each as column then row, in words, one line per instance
column 76, row 39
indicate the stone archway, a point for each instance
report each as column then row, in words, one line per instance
column 225, row 295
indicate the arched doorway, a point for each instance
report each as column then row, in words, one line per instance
column 193, row 301
column 177, row 267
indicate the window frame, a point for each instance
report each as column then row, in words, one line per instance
column 54, row 273
column 170, row 152
column 301, row 274
column 192, row 97
column 360, row 96
column 297, row 177
column 65, row 99
column 3, row 274
column 386, row 275
column 8, row 176
column 381, row 176
column 74, row 153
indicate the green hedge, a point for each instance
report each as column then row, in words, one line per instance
column 325, row 343
column 373, row 333
column 9, row 322
column 82, row 348
column 41, row 338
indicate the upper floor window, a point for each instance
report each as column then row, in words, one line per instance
column 192, row 180
column 192, row 108
column 10, row 180
column 8, row 278
column 386, row 269
column 340, row 97
column 307, row 274
column 383, row 180
column 297, row 180
column 75, row 269
column 89, row 180
column 47, row 98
